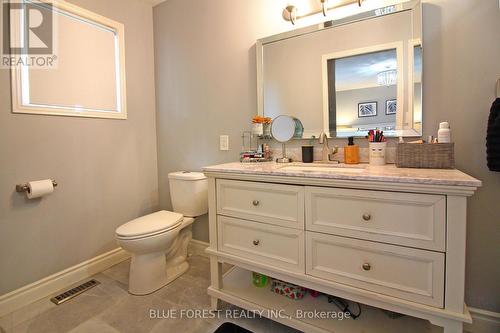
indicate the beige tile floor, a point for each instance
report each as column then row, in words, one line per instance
column 109, row 308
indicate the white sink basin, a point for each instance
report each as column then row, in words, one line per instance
column 337, row 168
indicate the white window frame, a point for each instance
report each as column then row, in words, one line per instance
column 20, row 76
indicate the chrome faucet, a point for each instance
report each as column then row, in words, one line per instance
column 326, row 155
column 323, row 139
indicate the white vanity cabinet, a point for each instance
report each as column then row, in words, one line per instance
column 395, row 244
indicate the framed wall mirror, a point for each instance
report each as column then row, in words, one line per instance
column 347, row 76
column 85, row 79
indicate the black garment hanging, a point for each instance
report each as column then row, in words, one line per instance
column 493, row 137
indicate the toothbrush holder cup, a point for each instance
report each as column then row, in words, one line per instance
column 377, row 153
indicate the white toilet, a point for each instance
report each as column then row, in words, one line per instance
column 158, row 242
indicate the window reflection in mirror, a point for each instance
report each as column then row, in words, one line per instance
column 362, row 93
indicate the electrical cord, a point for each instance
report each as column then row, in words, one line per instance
column 344, row 306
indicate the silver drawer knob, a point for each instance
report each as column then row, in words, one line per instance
column 256, row 202
column 256, row 242
column 367, row 266
column 367, row 217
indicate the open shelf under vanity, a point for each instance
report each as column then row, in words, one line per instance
column 239, row 290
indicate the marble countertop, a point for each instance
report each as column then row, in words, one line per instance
column 386, row 173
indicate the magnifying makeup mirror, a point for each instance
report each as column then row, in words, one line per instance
column 282, row 130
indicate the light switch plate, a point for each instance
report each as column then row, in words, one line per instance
column 224, row 142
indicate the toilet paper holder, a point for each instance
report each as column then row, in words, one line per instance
column 25, row 188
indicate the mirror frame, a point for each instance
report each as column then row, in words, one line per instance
column 382, row 11
column 19, row 72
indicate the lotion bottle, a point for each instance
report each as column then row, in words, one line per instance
column 444, row 133
column 351, row 152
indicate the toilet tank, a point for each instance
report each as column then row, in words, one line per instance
column 189, row 193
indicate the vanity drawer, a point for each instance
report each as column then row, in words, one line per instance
column 410, row 274
column 415, row 220
column 264, row 202
column 267, row 244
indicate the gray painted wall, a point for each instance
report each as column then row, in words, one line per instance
column 205, row 67
column 348, row 100
column 106, row 169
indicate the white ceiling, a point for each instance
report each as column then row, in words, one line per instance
column 360, row 71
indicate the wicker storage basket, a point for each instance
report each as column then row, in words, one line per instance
column 425, row 155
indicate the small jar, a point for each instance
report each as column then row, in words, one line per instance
column 259, row 280
column 377, row 153
column 267, row 130
column 258, row 129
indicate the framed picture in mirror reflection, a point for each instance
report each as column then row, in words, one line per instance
column 391, row 107
column 367, row 109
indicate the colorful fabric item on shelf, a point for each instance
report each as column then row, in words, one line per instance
column 287, row 289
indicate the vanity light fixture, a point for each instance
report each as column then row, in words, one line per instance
column 290, row 14
column 290, row 11
column 387, row 78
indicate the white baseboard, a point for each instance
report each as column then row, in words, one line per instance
column 197, row 247
column 483, row 321
column 51, row 284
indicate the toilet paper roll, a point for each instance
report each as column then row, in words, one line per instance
column 40, row 188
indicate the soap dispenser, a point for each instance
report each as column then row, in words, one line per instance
column 351, row 152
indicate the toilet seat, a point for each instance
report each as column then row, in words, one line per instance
column 149, row 225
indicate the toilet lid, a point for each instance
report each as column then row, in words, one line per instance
column 149, row 224
column 187, row 175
